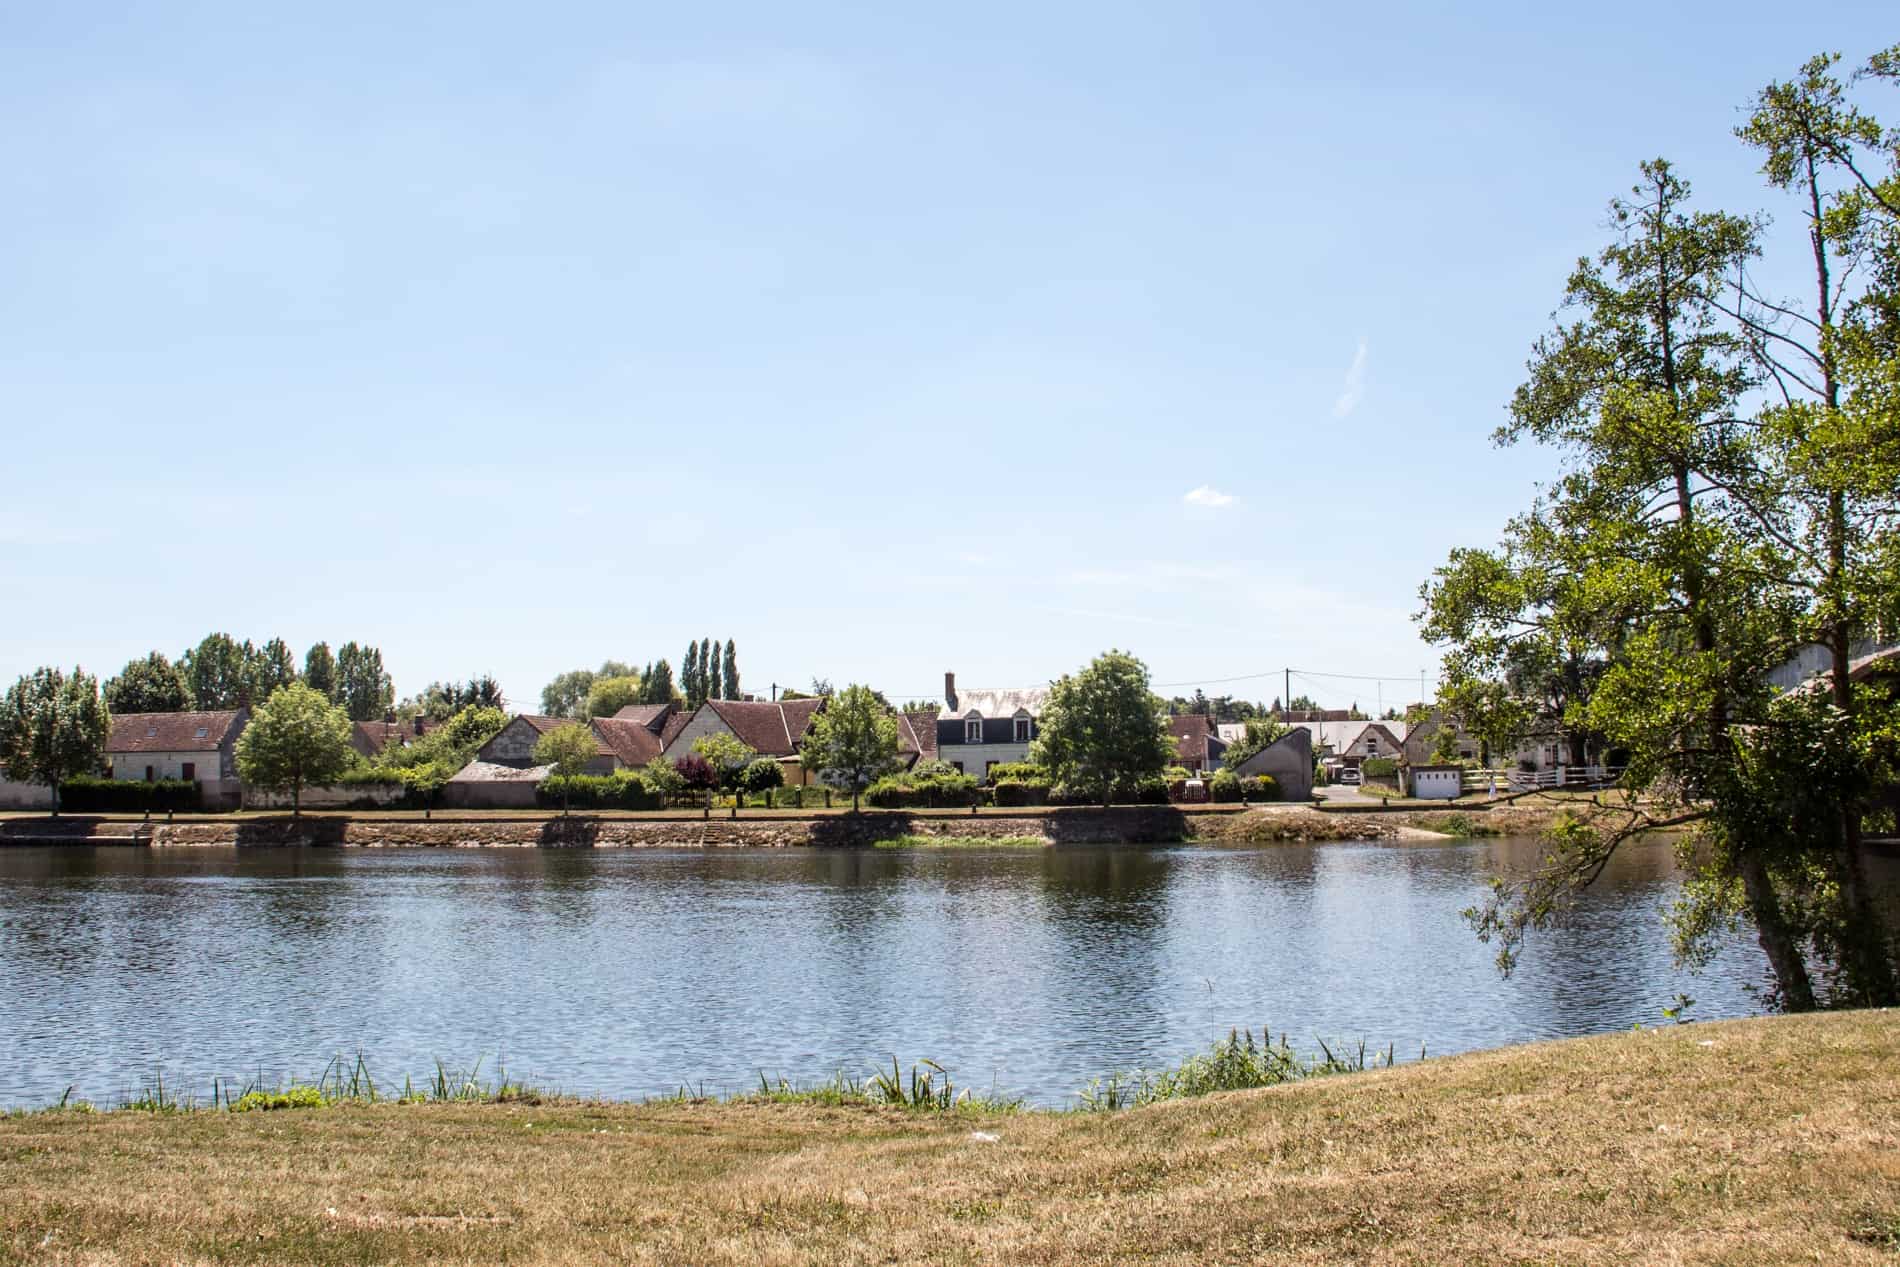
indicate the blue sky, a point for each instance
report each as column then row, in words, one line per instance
column 977, row 338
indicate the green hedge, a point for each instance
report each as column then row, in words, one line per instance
column 901, row 791
column 1384, row 769
column 620, row 790
column 1017, row 792
column 89, row 795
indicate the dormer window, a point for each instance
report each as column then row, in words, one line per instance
column 1022, row 730
column 973, row 730
column 200, row 733
column 151, row 732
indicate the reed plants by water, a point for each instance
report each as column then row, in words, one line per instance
column 1235, row 1063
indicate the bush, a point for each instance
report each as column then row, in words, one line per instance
column 1016, row 792
column 762, row 775
column 1262, row 787
column 1224, row 786
column 91, row 795
column 1384, row 769
column 1019, row 772
column 904, row 791
column 622, row 789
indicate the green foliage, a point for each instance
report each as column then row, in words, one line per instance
column 1261, row 733
column 730, row 675
column 363, row 688
column 664, row 778
column 852, row 741
column 292, row 1097
column 319, row 670
column 1103, row 729
column 271, row 667
column 761, row 775
column 151, row 685
column 217, row 671
column 727, row 754
column 1224, row 786
column 53, row 727
column 452, row 744
column 1384, row 769
column 607, row 696
column 295, row 739
column 566, row 695
column 568, row 749
column 91, row 794
column 656, row 684
column 909, row 791
column 623, row 789
column 1236, row 1063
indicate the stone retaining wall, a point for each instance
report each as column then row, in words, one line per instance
column 1130, row 825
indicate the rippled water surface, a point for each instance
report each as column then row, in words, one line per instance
column 630, row 972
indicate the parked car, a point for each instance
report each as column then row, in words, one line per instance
column 1347, row 774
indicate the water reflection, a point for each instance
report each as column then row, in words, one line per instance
column 630, row 972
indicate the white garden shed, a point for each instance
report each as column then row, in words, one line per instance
column 1438, row 782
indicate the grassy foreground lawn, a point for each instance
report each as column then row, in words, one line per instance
column 1770, row 1141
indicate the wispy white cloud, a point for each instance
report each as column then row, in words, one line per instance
column 1355, row 387
column 1209, row 497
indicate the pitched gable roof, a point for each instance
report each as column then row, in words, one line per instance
column 371, row 737
column 175, row 732
column 917, row 733
column 633, row 742
column 769, row 729
column 542, row 725
column 1192, row 735
column 652, row 716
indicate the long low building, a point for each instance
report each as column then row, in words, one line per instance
column 196, row 748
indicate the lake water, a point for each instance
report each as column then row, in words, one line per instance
column 630, row 972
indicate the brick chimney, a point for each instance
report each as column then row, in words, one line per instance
column 950, row 691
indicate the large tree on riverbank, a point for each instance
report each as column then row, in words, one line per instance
column 1103, row 729
column 295, row 739
column 1699, row 534
column 852, row 741
column 52, row 727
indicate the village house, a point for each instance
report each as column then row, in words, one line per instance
column 196, row 748
column 1422, row 739
column 371, row 738
column 1198, row 745
column 980, row 729
column 771, row 728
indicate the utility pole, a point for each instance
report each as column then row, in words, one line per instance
column 1286, row 699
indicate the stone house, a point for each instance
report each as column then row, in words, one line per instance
column 771, row 728
column 982, row 728
column 1421, row 740
column 196, row 748
column 513, row 745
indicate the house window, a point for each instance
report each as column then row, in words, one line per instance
column 151, row 775
column 957, row 766
column 1372, row 745
column 189, row 772
column 1022, row 730
column 973, row 731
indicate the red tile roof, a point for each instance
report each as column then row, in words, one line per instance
column 371, row 737
column 770, row 729
column 542, row 725
column 917, row 733
column 633, row 742
column 1191, row 732
column 648, row 715
column 174, row 732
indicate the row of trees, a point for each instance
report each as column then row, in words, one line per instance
column 707, row 674
column 1728, row 492
column 587, row 693
column 221, row 673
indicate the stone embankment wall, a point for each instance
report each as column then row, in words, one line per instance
column 1133, row 825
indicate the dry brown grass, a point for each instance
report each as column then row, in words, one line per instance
column 1770, row 1141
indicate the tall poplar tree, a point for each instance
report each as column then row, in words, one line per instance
column 319, row 671
column 732, row 671
column 689, row 676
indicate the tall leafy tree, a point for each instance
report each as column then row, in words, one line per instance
column 319, row 670
column 218, row 671
column 852, row 741
column 151, row 685
column 1685, row 551
column 568, row 749
column 609, row 695
column 364, row 689
column 566, row 695
column 270, row 667
column 689, row 676
column 53, row 727
column 732, row 670
column 296, row 739
column 708, row 675
column 1103, row 729
column 656, row 685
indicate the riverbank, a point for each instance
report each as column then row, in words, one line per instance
column 1628, row 1147
column 1131, row 824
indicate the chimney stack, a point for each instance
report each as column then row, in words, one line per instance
column 419, row 725
column 950, row 690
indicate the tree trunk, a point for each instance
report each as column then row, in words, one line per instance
column 1784, row 956
column 296, row 797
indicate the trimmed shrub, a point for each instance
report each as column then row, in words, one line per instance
column 762, row 775
column 92, row 795
column 1224, row 786
column 1017, row 792
column 1383, row 769
column 1263, row 787
column 904, row 791
column 620, row 790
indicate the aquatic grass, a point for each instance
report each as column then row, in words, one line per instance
column 960, row 842
column 1238, row 1062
